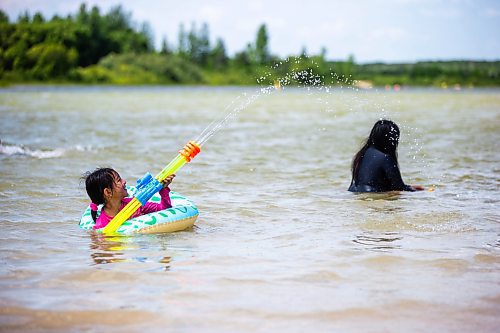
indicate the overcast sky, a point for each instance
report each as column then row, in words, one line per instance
column 376, row 30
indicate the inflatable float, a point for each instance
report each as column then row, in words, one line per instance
column 180, row 216
column 147, row 186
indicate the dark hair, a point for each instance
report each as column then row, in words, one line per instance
column 95, row 183
column 385, row 137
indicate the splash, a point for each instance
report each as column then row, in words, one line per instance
column 232, row 111
column 299, row 75
column 20, row 150
column 325, row 88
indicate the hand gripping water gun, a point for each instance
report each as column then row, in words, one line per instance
column 147, row 186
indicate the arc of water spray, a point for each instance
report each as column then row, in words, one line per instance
column 302, row 75
column 149, row 185
column 215, row 127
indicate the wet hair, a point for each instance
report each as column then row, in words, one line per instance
column 95, row 183
column 384, row 136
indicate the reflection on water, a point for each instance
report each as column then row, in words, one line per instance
column 386, row 241
column 106, row 249
column 496, row 244
column 386, row 196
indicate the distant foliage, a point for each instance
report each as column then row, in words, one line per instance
column 92, row 47
column 262, row 55
column 48, row 60
column 34, row 48
column 438, row 73
column 131, row 68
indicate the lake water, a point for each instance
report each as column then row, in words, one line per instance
column 280, row 245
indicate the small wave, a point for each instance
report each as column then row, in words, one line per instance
column 20, row 150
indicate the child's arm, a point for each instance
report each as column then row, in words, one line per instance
column 165, row 202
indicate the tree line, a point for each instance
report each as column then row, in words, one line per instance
column 95, row 47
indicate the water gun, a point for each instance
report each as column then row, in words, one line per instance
column 147, row 186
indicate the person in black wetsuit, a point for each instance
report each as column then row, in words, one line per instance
column 375, row 167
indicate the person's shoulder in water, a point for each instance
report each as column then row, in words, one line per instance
column 375, row 167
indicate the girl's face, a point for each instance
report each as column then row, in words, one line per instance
column 119, row 189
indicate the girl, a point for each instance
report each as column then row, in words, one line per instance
column 375, row 167
column 105, row 186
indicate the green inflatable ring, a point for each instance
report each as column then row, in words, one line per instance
column 180, row 216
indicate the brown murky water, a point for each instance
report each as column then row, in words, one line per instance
column 280, row 245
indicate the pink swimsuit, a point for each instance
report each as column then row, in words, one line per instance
column 149, row 207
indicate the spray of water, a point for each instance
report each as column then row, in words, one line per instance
column 271, row 82
column 303, row 76
column 232, row 111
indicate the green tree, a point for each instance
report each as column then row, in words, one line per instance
column 242, row 59
column 38, row 18
column 117, row 34
column 24, row 18
column 82, row 17
column 198, row 48
column 82, row 39
column 98, row 36
column 50, row 60
column 193, row 44
column 218, row 56
column 15, row 56
column 4, row 18
column 56, row 18
column 165, row 48
column 204, row 45
column 182, row 47
column 145, row 38
column 261, row 46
